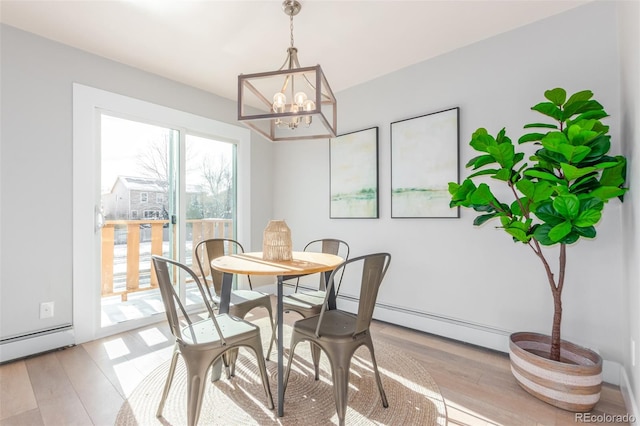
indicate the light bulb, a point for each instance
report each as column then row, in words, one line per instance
column 279, row 101
column 309, row 105
column 299, row 98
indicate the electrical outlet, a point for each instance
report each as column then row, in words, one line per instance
column 46, row 310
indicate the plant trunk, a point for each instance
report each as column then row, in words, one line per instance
column 554, row 354
column 556, row 290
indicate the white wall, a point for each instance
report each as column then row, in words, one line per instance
column 629, row 33
column 36, row 163
column 466, row 282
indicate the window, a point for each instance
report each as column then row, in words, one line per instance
column 144, row 197
column 152, row 214
column 134, row 214
column 159, row 198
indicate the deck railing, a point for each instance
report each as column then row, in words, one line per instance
column 127, row 246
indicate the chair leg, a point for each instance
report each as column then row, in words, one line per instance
column 167, row 385
column 315, row 356
column 340, row 375
column 273, row 331
column 383, row 396
column 197, row 367
column 256, row 346
column 232, row 357
column 292, row 349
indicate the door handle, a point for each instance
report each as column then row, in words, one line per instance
column 174, row 219
column 98, row 219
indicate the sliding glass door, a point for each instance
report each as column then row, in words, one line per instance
column 162, row 191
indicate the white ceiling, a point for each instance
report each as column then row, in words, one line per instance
column 206, row 44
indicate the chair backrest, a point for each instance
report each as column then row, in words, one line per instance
column 329, row 246
column 170, row 296
column 210, row 249
column 374, row 267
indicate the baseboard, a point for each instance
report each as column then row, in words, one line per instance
column 457, row 329
column 629, row 398
column 36, row 343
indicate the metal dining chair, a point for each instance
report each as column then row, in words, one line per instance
column 203, row 341
column 338, row 333
column 309, row 303
column 242, row 301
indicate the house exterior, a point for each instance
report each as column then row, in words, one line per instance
column 134, row 198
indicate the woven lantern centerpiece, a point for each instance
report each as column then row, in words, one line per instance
column 276, row 241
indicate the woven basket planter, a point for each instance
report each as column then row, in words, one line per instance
column 276, row 241
column 572, row 384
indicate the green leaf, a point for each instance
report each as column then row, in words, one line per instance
column 480, row 140
column 589, row 202
column 607, row 192
column 480, row 161
column 543, row 175
column 483, row 172
column 541, row 233
column 584, row 137
column 588, row 218
column 549, row 109
column 531, row 137
column 540, row 125
column 590, row 105
column 574, row 154
column 479, row 220
column 460, row 193
column 482, row 195
column 515, row 206
column 503, row 174
column 526, row 187
column 599, row 147
column 518, row 234
column 588, row 232
column 503, row 153
column 557, row 95
column 590, row 115
column 571, row 172
column 586, row 184
column 560, row 231
column 581, row 96
column 546, row 213
column 571, row 237
column 567, row 205
column 616, row 175
column 554, row 140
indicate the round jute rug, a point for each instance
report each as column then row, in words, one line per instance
column 414, row 398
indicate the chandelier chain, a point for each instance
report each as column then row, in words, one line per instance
column 291, row 28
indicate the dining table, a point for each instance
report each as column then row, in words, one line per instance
column 252, row 263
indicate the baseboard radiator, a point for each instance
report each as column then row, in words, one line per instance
column 34, row 343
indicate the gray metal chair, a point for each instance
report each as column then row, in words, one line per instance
column 242, row 301
column 339, row 333
column 309, row 303
column 202, row 342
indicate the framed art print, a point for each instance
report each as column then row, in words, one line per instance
column 353, row 161
column 424, row 159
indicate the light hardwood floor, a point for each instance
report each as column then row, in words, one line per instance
column 87, row 384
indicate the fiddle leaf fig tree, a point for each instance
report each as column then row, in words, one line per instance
column 558, row 194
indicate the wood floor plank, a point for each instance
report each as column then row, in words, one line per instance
column 57, row 400
column 16, row 393
column 100, row 398
column 26, row 418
